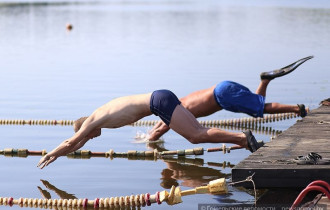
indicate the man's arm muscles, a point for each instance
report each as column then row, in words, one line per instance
column 68, row 145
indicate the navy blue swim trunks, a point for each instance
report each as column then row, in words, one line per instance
column 235, row 97
column 163, row 103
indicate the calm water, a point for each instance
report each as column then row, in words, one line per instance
column 120, row 48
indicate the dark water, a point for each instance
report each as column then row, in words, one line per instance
column 120, row 48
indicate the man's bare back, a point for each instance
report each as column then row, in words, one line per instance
column 201, row 103
column 123, row 111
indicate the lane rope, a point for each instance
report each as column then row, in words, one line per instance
column 173, row 197
column 229, row 122
column 130, row 154
column 86, row 154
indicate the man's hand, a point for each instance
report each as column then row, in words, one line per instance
column 46, row 160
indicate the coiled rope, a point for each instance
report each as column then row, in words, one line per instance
column 248, row 121
column 173, row 197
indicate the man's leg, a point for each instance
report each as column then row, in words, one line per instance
column 266, row 77
column 272, row 108
column 200, row 103
column 262, row 88
column 185, row 124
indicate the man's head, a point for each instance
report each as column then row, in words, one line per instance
column 78, row 123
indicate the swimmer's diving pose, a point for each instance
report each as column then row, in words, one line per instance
column 234, row 97
column 129, row 109
column 163, row 103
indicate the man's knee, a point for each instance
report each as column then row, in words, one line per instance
column 194, row 139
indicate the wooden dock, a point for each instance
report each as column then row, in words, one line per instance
column 272, row 164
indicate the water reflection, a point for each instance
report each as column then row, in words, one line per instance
column 64, row 195
column 189, row 175
column 191, row 172
column 225, row 199
column 61, row 193
column 187, row 172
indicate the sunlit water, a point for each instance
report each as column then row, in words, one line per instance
column 120, row 48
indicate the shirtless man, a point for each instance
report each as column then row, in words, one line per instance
column 126, row 110
column 234, row 97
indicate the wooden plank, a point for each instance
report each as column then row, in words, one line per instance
column 272, row 164
column 325, row 201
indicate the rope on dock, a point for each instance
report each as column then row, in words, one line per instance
column 173, row 197
column 248, row 179
column 248, row 121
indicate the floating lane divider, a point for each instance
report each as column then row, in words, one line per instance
column 131, row 154
column 254, row 128
column 36, row 122
column 173, row 197
column 247, row 121
column 229, row 122
column 86, row 154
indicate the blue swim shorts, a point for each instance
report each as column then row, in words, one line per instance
column 234, row 97
column 163, row 103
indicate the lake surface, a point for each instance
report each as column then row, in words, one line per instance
column 119, row 48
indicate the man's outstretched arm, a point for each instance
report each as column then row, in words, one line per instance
column 64, row 148
column 72, row 144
